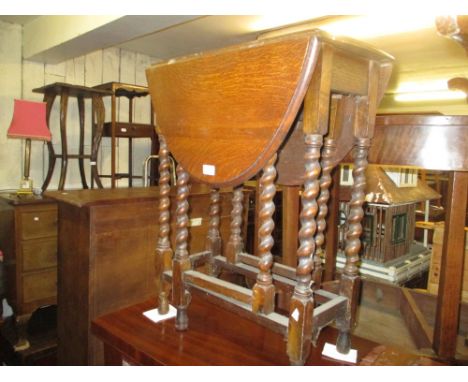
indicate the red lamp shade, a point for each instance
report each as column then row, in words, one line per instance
column 29, row 121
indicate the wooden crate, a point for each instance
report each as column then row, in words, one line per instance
column 434, row 270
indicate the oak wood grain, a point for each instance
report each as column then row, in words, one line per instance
column 252, row 91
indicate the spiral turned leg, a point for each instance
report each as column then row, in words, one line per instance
column 263, row 298
column 235, row 244
column 163, row 247
column 325, row 183
column 302, row 301
column 181, row 262
column 213, row 238
column 350, row 281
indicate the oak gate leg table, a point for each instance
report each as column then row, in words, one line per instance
column 228, row 114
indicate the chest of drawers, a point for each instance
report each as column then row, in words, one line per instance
column 28, row 240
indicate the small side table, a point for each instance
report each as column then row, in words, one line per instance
column 120, row 129
column 98, row 114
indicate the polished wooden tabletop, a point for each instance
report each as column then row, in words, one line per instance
column 218, row 337
column 90, row 197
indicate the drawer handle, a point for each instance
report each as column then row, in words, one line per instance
column 123, row 130
column 36, row 218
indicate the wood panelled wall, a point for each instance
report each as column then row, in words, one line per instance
column 18, row 77
column 10, row 88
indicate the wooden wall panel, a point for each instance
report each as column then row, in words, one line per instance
column 33, row 77
column 10, row 78
column 111, row 72
column 142, row 107
column 127, row 75
column 74, row 74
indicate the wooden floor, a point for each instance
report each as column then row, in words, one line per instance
column 390, row 329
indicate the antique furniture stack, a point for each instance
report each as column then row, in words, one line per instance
column 226, row 120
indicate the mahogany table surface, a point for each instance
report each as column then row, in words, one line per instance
column 218, row 337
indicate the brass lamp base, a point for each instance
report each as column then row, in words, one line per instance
column 26, row 183
column 26, row 187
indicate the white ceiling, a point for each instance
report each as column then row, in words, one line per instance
column 202, row 33
column 421, row 54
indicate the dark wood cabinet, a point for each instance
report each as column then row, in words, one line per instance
column 28, row 240
column 107, row 240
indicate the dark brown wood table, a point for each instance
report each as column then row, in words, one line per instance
column 119, row 129
column 81, row 93
column 217, row 337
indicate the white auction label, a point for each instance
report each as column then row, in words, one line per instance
column 195, row 222
column 209, row 169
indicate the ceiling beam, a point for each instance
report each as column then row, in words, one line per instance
column 53, row 39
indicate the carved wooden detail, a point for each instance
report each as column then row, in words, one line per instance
column 302, row 301
column 181, row 261
column 263, row 299
column 163, row 247
column 349, row 285
column 235, row 244
column 325, row 183
column 213, row 238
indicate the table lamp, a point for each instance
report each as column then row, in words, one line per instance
column 28, row 122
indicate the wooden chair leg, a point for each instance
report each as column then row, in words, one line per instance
column 163, row 248
column 181, row 261
column 302, row 300
column 263, row 297
column 350, row 280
